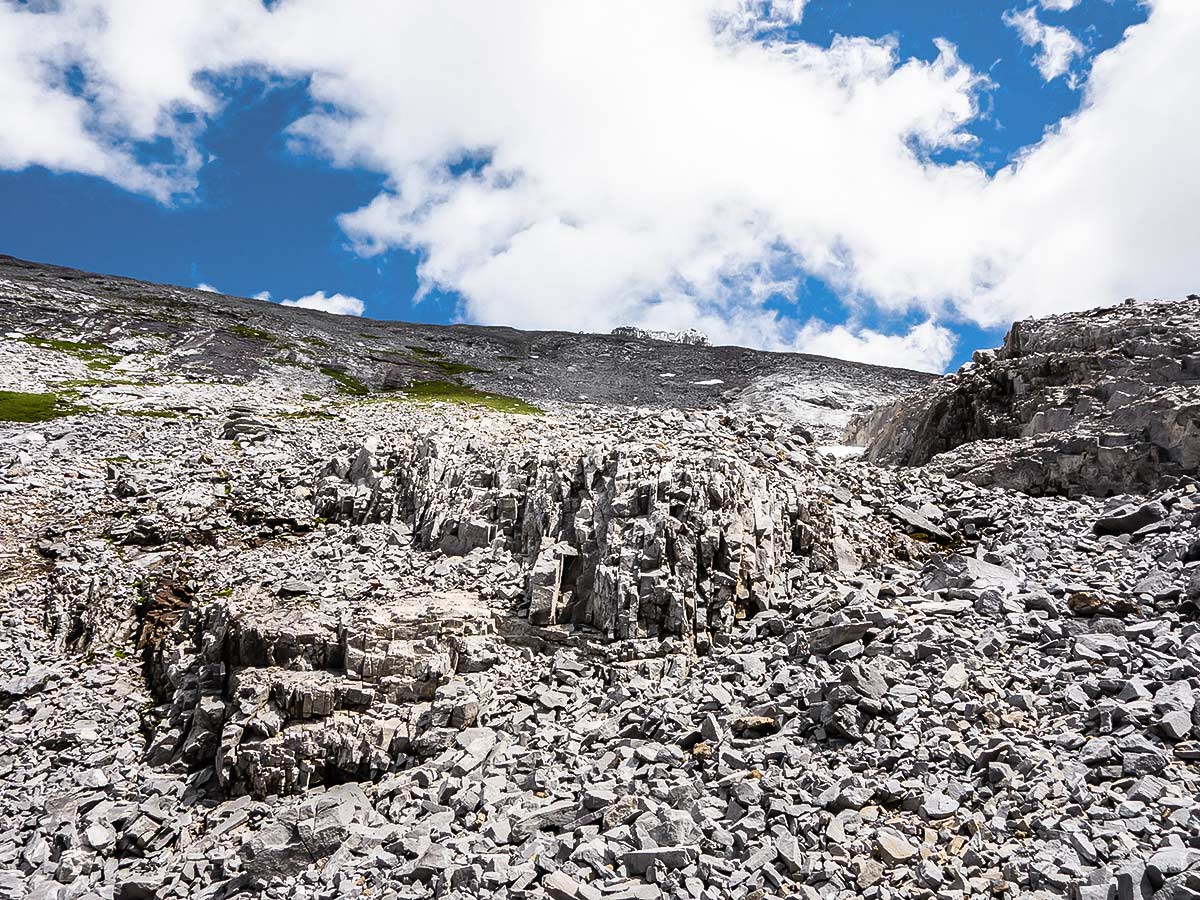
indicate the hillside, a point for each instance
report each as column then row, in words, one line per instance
column 297, row 605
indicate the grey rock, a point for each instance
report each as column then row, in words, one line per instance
column 938, row 806
column 638, row 861
column 893, row 847
column 1007, row 420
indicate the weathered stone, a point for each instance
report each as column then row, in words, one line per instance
column 638, row 861
column 893, row 847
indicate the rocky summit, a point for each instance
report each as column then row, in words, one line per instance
column 299, row 605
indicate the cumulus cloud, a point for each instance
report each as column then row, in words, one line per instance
column 1104, row 207
column 1057, row 47
column 1060, row 5
column 582, row 165
column 926, row 347
column 339, row 304
column 110, row 87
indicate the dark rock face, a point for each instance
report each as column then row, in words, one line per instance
column 1099, row 402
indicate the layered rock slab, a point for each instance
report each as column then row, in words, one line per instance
column 1100, row 402
column 279, row 696
column 634, row 540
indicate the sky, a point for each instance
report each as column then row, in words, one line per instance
column 873, row 180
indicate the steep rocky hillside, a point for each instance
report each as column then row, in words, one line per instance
column 302, row 606
column 124, row 326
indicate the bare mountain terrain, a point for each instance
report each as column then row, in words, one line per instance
column 206, row 336
column 1099, row 402
column 298, row 605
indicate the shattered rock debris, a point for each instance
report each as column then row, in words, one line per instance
column 265, row 637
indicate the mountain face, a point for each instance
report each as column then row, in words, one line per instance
column 1100, row 402
column 307, row 606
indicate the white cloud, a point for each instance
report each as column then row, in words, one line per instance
column 137, row 65
column 1057, row 47
column 1060, row 5
column 651, row 163
column 926, row 347
column 339, row 304
column 1104, row 207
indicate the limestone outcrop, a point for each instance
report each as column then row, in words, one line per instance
column 1099, row 402
column 634, row 540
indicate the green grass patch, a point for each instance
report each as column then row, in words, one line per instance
column 452, row 392
column 97, row 356
column 315, row 341
column 76, row 383
column 426, row 352
column 347, row 384
column 256, row 334
column 19, row 407
column 435, row 357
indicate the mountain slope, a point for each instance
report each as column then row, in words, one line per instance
column 1099, row 402
column 288, row 611
column 211, row 336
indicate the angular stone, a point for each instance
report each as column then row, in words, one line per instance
column 893, row 847
column 638, row 861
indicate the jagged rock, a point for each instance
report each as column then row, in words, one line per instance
column 1095, row 402
column 638, row 861
column 893, row 847
column 1130, row 518
column 628, row 541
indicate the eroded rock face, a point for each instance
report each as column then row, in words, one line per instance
column 634, row 540
column 1100, row 402
column 278, row 697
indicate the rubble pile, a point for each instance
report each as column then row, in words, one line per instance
column 288, row 641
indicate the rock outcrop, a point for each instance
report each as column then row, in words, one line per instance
column 635, row 540
column 690, row 336
column 1101, row 402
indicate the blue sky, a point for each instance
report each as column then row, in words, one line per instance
column 206, row 178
